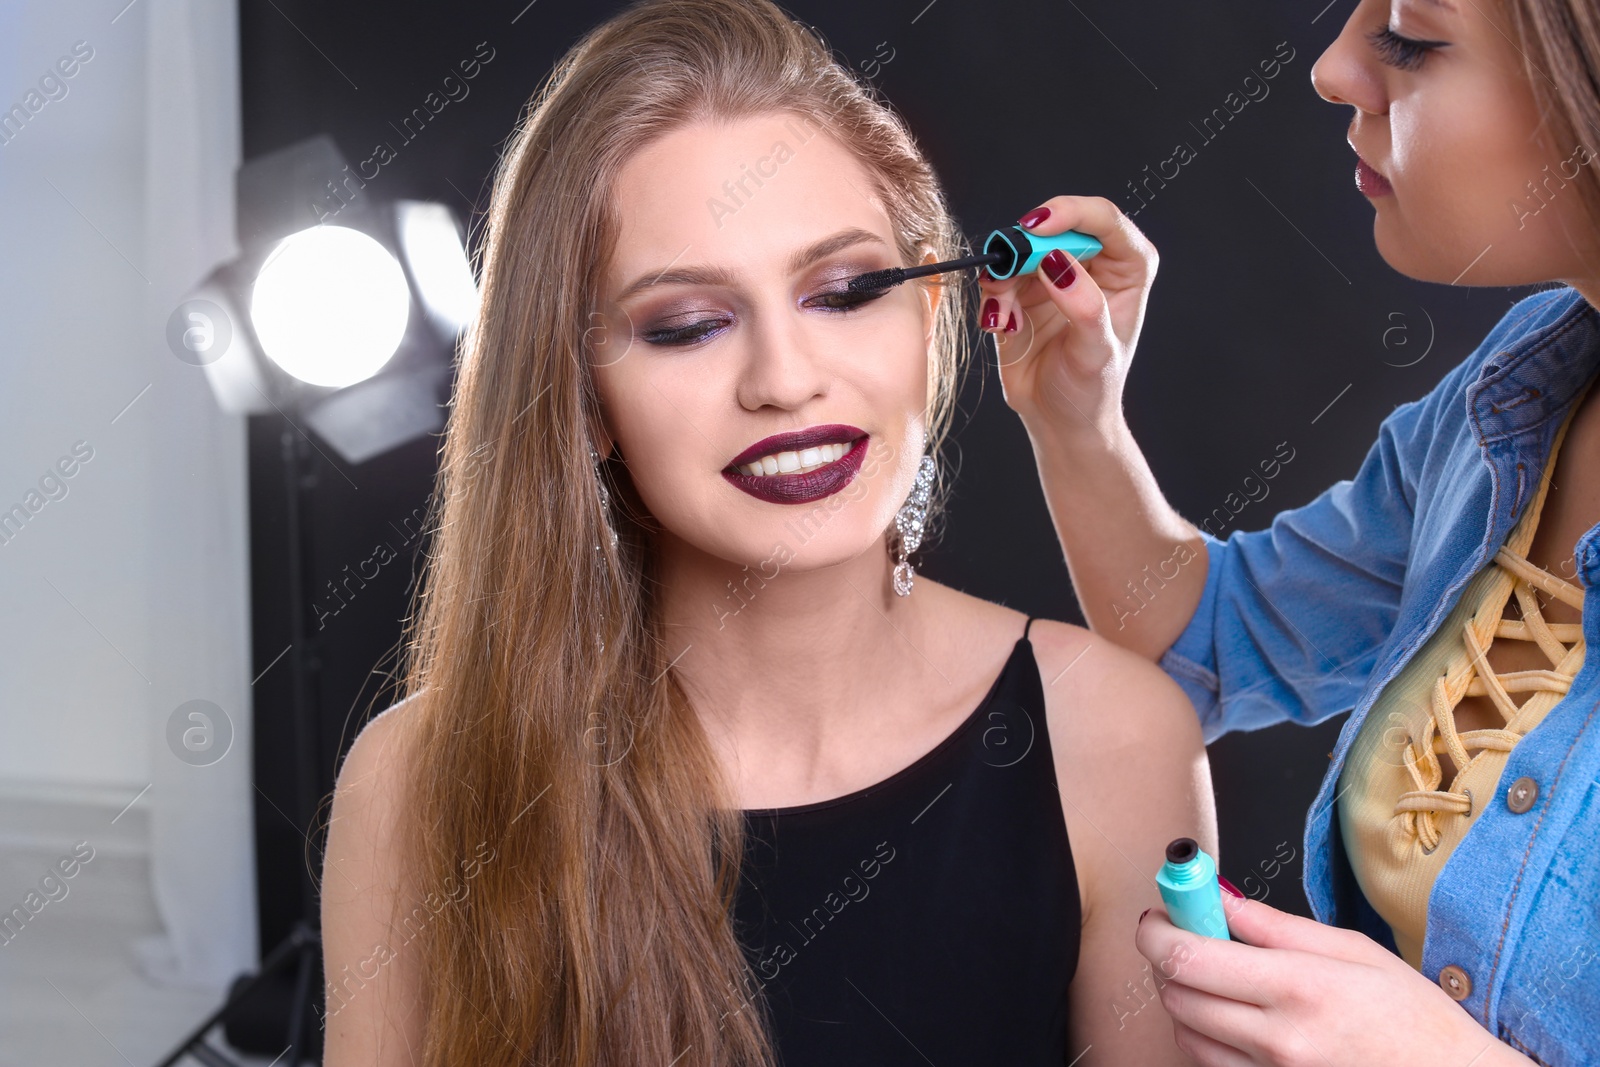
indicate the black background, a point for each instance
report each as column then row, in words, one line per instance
column 1273, row 319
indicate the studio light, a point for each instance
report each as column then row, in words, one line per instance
column 330, row 305
column 438, row 262
column 342, row 310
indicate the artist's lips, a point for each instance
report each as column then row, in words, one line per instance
column 801, row 466
column 1369, row 181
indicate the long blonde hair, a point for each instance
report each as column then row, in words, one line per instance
column 548, row 731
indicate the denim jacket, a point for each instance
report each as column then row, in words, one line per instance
column 1313, row 615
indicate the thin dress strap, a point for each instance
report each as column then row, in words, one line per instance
column 1027, row 627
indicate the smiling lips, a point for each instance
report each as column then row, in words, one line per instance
column 799, row 467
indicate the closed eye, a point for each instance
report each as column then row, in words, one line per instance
column 682, row 335
column 846, row 300
column 839, row 302
column 1402, row 53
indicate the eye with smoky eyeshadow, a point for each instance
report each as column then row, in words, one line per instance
column 831, row 297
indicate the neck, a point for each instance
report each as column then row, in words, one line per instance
column 776, row 659
column 1588, row 288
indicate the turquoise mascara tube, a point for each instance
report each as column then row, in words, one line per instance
column 1189, row 889
column 1007, row 252
column 1020, row 252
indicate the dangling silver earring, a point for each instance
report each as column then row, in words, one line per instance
column 908, row 524
column 605, row 498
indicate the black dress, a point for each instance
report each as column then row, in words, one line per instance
column 930, row 918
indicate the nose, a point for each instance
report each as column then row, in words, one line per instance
column 1345, row 73
column 781, row 369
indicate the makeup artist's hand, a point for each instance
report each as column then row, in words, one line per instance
column 1076, row 324
column 1295, row 991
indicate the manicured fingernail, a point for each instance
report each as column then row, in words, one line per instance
column 1033, row 218
column 991, row 313
column 1059, row 269
column 1011, row 323
column 1228, row 887
column 1143, row 913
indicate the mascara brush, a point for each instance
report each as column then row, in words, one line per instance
column 1008, row 251
column 892, row 276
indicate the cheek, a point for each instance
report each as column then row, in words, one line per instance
column 1462, row 155
column 662, row 423
column 1437, row 140
column 892, row 365
column 1499, row 149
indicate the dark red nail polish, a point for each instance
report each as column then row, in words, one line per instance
column 1033, row 218
column 1011, row 323
column 991, row 313
column 1228, row 887
column 1059, row 269
column 1143, row 913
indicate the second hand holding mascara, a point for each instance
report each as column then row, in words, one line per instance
column 1189, row 889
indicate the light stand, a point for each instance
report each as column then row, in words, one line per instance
column 303, row 947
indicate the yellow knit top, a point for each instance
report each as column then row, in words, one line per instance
column 1398, row 823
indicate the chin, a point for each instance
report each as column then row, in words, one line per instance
column 795, row 542
column 1413, row 256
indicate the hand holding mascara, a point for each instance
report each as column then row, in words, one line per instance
column 1064, row 334
column 1008, row 252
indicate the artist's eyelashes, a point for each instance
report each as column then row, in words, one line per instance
column 838, row 301
column 1402, row 53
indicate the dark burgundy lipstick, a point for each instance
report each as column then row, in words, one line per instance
column 800, row 488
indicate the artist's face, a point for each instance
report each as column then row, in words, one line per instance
column 1452, row 130
column 739, row 340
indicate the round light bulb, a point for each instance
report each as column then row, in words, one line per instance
column 330, row 305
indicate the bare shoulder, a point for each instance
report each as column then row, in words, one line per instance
column 1127, row 746
column 379, row 753
column 373, row 779
column 373, row 987
column 1106, row 693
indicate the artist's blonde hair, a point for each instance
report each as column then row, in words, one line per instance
column 1559, row 41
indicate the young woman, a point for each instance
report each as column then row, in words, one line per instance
column 689, row 772
column 1447, row 592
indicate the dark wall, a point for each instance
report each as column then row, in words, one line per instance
column 1274, row 325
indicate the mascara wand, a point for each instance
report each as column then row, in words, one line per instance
column 1007, row 252
column 892, row 276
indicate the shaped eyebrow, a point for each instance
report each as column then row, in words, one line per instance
column 798, row 261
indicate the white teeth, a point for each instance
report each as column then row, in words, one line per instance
column 808, row 459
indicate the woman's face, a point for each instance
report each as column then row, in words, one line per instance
column 723, row 323
column 1446, row 119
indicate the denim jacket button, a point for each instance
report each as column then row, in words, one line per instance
column 1522, row 794
column 1454, row 981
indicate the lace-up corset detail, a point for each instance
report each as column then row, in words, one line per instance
column 1398, row 820
column 1470, row 674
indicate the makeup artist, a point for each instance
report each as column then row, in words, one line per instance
column 1445, row 593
